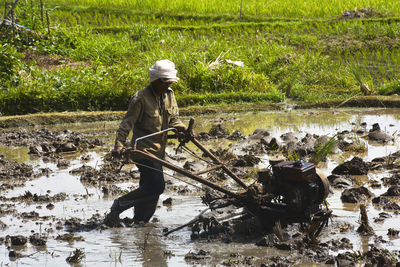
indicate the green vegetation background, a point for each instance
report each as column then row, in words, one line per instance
column 94, row 54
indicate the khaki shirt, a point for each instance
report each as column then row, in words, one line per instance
column 145, row 116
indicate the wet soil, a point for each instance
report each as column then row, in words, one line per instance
column 46, row 203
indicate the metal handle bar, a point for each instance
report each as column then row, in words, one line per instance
column 189, row 136
column 153, row 134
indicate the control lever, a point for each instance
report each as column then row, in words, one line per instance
column 186, row 136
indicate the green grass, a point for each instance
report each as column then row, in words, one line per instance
column 300, row 50
column 324, row 149
column 272, row 8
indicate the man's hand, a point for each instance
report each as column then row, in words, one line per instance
column 180, row 132
column 181, row 129
column 116, row 152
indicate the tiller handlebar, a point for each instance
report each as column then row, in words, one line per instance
column 183, row 138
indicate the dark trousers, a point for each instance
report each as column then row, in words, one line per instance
column 145, row 197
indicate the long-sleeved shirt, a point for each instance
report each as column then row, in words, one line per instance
column 146, row 115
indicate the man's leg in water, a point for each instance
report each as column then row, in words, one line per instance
column 144, row 198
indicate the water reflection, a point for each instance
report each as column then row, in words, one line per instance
column 15, row 154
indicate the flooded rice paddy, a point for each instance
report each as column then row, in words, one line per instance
column 70, row 201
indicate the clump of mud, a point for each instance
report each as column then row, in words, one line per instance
column 245, row 161
column 109, row 172
column 362, row 13
column 195, row 256
column 45, row 142
column 17, row 240
column 76, row 257
column 356, row 195
column 69, row 237
column 340, row 181
column 37, row 240
column 73, row 224
column 28, row 197
column 356, row 166
column 113, row 190
column 236, row 259
column 364, row 228
column 16, row 174
column 376, row 134
column 380, row 257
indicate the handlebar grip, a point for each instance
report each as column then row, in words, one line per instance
column 190, row 126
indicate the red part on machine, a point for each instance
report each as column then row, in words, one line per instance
column 295, row 171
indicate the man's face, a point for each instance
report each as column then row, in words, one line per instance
column 161, row 85
column 165, row 83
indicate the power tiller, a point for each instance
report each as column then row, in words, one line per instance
column 287, row 191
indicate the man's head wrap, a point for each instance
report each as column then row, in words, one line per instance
column 163, row 69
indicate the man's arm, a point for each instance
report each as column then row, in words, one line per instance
column 174, row 120
column 130, row 118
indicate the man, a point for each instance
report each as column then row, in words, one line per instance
column 150, row 110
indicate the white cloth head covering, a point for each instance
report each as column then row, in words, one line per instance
column 163, row 69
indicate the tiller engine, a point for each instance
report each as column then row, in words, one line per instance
column 292, row 192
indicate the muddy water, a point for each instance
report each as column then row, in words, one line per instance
column 145, row 246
